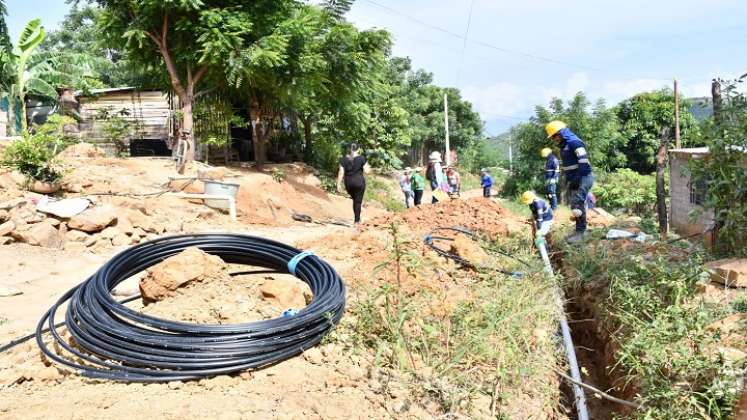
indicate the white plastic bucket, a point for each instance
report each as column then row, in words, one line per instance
column 220, row 188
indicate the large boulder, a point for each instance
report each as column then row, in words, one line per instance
column 287, row 293
column 191, row 265
column 729, row 272
column 94, row 220
column 40, row 234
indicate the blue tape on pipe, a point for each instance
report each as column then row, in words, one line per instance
column 293, row 263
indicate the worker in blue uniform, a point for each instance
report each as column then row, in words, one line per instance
column 552, row 176
column 578, row 173
column 541, row 213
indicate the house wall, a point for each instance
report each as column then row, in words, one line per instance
column 679, row 193
column 149, row 111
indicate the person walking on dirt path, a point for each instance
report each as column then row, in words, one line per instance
column 405, row 183
column 418, row 185
column 454, row 180
column 541, row 213
column 486, row 181
column 552, row 176
column 352, row 170
column 435, row 173
column 578, row 173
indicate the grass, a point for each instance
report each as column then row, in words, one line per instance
column 659, row 328
column 490, row 340
column 381, row 191
column 3, row 320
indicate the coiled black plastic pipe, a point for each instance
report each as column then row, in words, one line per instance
column 114, row 342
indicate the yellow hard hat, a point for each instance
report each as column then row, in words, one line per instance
column 528, row 197
column 553, row 127
column 546, row 152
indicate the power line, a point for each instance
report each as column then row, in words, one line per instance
column 464, row 44
column 477, row 42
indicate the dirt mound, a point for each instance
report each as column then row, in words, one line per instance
column 477, row 214
column 83, row 150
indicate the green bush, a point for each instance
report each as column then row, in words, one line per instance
column 35, row 155
column 627, row 189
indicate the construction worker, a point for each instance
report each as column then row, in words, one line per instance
column 578, row 174
column 552, row 176
column 486, row 182
column 541, row 213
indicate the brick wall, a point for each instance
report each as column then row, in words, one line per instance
column 680, row 206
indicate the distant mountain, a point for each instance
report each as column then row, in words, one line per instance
column 702, row 108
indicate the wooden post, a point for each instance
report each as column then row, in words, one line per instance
column 677, row 141
column 661, row 198
column 717, row 101
column 446, row 126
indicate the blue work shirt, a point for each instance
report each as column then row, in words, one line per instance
column 540, row 211
column 575, row 156
column 487, row 181
column 552, row 168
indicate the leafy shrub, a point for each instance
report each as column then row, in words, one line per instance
column 116, row 128
column 629, row 190
column 35, row 155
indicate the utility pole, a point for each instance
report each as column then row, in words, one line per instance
column 510, row 155
column 677, row 141
column 446, row 125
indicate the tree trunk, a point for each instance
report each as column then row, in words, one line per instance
column 12, row 126
column 308, row 151
column 259, row 136
column 717, row 101
column 661, row 198
column 188, row 122
column 24, row 118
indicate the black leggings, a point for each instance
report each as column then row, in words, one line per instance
column 356, row 191
column 418, row 197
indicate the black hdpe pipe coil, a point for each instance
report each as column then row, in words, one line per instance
column 114, row 342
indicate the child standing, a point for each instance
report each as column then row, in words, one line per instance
column 486, row 181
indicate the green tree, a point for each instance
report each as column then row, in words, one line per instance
column 642, row 119
column 199, row 43
column 25, row 73
column 724, row 171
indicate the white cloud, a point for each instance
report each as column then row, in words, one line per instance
column 497, row 100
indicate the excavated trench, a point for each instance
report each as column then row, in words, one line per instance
column 594, row 350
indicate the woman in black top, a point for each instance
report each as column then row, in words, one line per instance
column 352, row 168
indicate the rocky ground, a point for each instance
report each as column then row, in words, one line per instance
column 132, row 200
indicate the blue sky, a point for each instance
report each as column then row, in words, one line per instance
column 522, row 53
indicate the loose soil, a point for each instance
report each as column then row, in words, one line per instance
column 334, row 380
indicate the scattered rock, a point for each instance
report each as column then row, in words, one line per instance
column 124, row 225
column 8, row 205
column 287, row 293
column 401, row 406
column 40, row 234
column 110, row 233
column 175, row 385
column 470, row 250
column 729, row 272
column 52, row 221
column 7, row 228
column 77, row 236
column 192, row 264
column 49, row 374
column 4, row 215
column 93, row 220
column 217, row 173
column 5, row 240
column 7, row 291
column 90, row 241
column 121, row 240
column 75, row 247
column 314, row 356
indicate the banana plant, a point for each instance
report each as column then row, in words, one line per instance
column 25, row 73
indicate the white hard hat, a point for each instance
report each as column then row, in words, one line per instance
column 435, row 157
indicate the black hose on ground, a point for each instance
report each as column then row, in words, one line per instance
column 117, row 343
column 430, row 239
